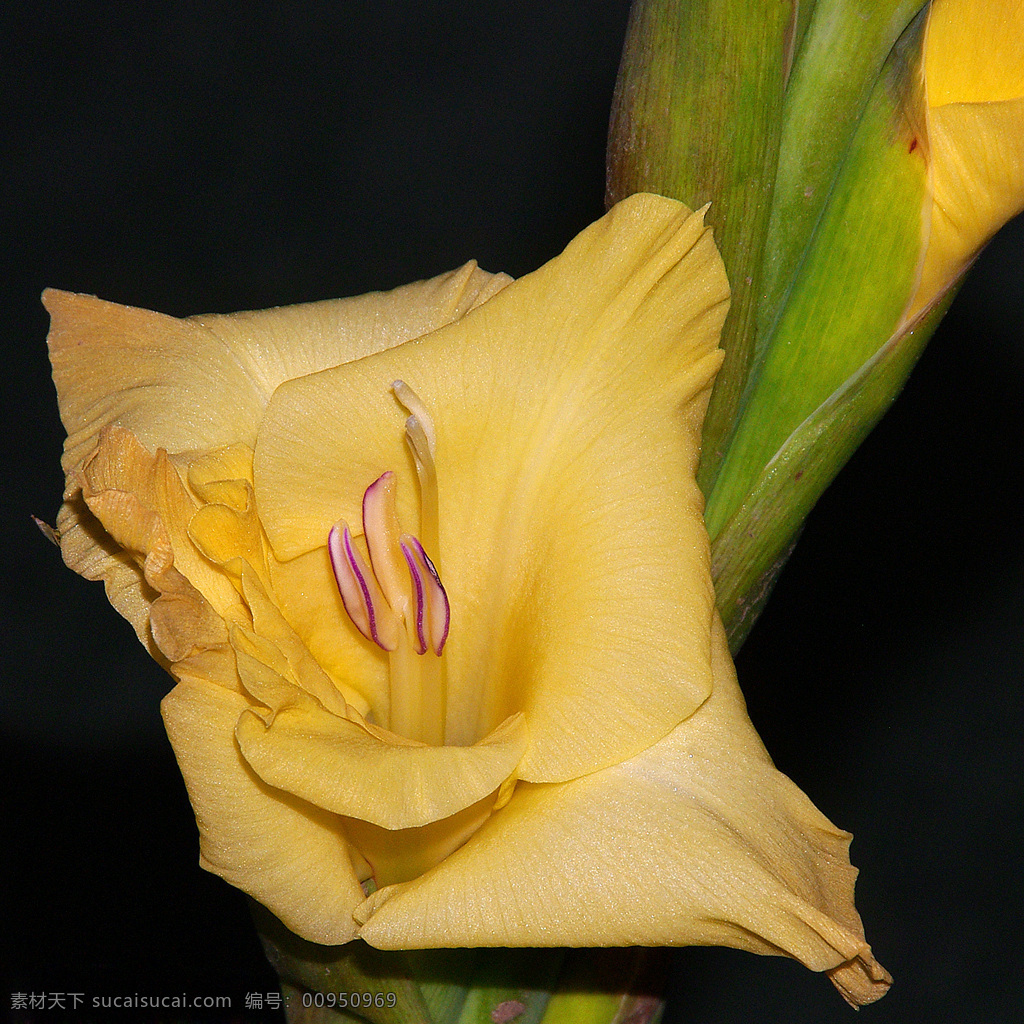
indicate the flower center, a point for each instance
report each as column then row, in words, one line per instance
column 397, row 600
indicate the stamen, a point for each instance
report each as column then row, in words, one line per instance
column 380, row 526
column 398, row 601
column 433, row 615
column 360, row 593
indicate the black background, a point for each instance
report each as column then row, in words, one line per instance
column 212, row 157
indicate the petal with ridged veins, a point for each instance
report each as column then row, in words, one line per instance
column 567, row 411
column 203, row 382
column 697, row 841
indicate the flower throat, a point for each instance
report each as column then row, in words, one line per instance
column 397, row 600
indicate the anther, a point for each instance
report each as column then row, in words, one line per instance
column 378, row 596
column 433, row 615
column 360, row 592
column 380, row 526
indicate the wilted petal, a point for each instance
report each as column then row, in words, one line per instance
column 137, row 511
column 88, row 549
column 119, row 474
column 697, row 841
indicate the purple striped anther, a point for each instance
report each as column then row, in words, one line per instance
column 433, row 614
column 360, row 592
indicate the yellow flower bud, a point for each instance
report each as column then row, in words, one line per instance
column 973, row 68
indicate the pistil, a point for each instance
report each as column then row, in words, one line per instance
column 422, row 441
column 398, row 601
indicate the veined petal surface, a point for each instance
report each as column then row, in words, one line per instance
column 203, row 382
column 290, row 855
column 567, row 412
column 699, row 840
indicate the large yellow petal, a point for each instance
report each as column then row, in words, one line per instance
column 346, row 767
column 567, row 411
column 291, row 341
column 202, row 382
column 291, row 856
column 699, row 840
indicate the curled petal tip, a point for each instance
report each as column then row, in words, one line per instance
column 47, row 530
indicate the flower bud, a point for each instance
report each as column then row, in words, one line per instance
column 974, row 117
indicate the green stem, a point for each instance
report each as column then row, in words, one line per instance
column 462, row 986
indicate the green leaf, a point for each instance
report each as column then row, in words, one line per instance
column 854, row 282
column 749, row 553
column 835, row 72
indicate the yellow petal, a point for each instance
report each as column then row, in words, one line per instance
column 567, row 413
column 305, row 591
column 974, row 92
column 291, row 341
column 291, row 856
column 228, row 532
column 976, row 156
column 202, row 382
column 88, row 549
column 346, row 767
column 698, row 840
column 974, row 51
column 129, row 489
column 276, row 643
column 394, row 855
column 137, row 506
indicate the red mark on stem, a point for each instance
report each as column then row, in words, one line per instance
column 506, row 1011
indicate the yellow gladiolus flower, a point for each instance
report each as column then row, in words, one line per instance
column 973, row 66
column 430, row 570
